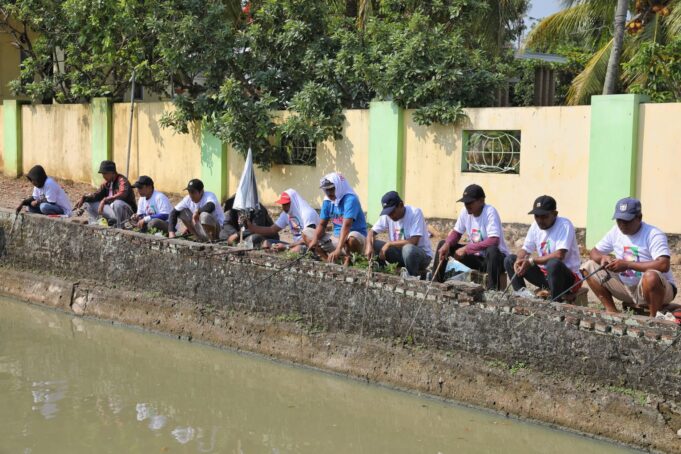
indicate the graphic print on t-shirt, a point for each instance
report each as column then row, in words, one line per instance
column 151, row 209
column 545, row 247
column 397, row 234
column 477, row 235
column 630, row 254
column 295, row 225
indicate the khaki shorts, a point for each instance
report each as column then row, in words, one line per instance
column 630, row 294
column 329, row 243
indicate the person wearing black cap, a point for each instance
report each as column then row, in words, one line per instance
column 486, row 247
column 408, row 242
column 48, row 197
column 556, row 266
column 199, row 211
column 115, row 199
column 153, row 207
column 640, row 268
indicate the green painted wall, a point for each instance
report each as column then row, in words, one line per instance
column 386, row 154
column 214, row 168
column 613, row 154
column 12, row 153
column 102, row 133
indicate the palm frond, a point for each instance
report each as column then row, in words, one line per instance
column 588, row 21
column 590, row 81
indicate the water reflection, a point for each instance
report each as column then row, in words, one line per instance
column 73, row 385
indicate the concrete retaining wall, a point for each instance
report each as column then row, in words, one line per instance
column 564, row 346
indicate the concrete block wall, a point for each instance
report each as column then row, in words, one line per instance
column 573, row 342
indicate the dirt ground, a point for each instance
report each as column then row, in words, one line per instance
column 13, row 190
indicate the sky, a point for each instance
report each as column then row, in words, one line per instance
column 543, row 8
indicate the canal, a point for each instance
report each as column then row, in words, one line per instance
column 70, row 385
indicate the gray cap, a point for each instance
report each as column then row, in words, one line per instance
column 627, row 209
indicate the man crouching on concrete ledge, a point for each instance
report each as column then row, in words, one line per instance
column 341, row 206
column 153, row 207
column 640, row 269
column 48, row 197
column 115, row 199
column 200, row 212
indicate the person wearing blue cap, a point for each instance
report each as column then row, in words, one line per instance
column 640, row 268
column 408, row 242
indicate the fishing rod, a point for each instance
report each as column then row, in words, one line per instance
column 425, row 296
column 510, row 282
column 579, row 282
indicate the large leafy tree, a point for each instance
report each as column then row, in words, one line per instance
column 653, row 24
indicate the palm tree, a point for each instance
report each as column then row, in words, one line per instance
column 614, row 61
column 590, row 24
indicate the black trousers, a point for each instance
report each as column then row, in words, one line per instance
column 491, row 262
column 558, row 276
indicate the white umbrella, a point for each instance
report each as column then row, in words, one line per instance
column 247, row 193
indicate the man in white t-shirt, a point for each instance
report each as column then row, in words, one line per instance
column 553, row 239
column 48, row 197
column 296, row 214
column 640, row 270
column 153, row 207
column 408, row 242
column 486, row 248
column 200, row 211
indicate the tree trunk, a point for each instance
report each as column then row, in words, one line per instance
column 351, row 8
column 612, row 74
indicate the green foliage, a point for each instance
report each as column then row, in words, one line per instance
column 655, row 71
column 235, row 71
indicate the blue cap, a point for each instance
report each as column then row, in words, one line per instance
column 389, row 202
column 627, row 209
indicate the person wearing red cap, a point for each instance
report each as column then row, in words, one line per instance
column 297, row 214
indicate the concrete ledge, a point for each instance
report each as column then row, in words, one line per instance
column 565, row 351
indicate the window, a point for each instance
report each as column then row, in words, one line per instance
column 297, row 152
column 491, row 151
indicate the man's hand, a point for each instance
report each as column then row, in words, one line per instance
column 369, row 251
column 79, row 203
column 18, row 209
column 34, row 203
column 460, row 253
column 384, row 249
column 444, row 252
column 197, row 217
column 140, row 224
column 617, row 266
column 335, row 255
column 521, row 266
column 606, row 260
column 278, row 247
column 100, row 209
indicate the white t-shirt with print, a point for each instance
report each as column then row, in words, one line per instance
column 411, row 224
column 561, row 235
column 187, row 202
column 295, row 224
column 157, row 203
column 53, row 193
column 478, row 229
column 646, row 245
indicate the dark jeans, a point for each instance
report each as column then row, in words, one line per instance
column 491, row 262
column 558, row 277
column 411, row 257
column 46, row 208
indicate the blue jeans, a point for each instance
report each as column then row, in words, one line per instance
column 46, row 208
column 413, row 258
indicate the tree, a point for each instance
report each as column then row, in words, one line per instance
column 612, row 72
column 589, row 23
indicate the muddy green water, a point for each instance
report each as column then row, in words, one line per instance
column 69, row 385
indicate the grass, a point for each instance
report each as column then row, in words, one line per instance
column 517, row 367
column 639, row 396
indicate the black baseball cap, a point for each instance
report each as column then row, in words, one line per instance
column 143, row 180
column 107, row 166
column 472, row 193
column 194, row 185
column 390, row 201
column 544, row 204
column 326, row 184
